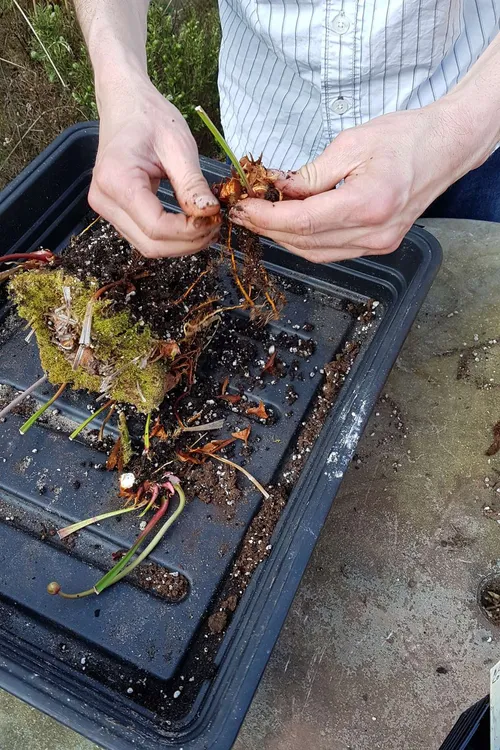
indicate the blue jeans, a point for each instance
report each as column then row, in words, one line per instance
column 475, row 196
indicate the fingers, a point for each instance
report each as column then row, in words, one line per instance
column 333, row 246
column 181, row 163
column 162, row 248
column 184, row 236
column 351, row 221
column 338, row 160
column 354, row 204
column 124, row 197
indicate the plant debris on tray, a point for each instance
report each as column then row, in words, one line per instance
column 133, row 331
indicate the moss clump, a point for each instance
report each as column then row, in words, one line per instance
column 116, row 363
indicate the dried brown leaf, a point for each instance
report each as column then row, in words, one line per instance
column 270, row 364
column 231, row 398
column 171, row 380
column 242, row 434
column 115, row 459
column 187, row 457
column 159, row 431
column 258, row 411
column 214, row 446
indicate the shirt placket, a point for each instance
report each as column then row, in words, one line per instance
column 338, row 63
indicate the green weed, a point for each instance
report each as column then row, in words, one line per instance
column 182, row 55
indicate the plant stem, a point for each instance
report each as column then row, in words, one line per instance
column 105, row 421
column 63, row 533
column 111, row 576
column 90, row 419
column 80, row 595
column 154, row 497
column 121, row 569
column 225, row 146
column 146, row 433
column 17, row 400
column 31, row 421
column 156, row 539
column 43, row 255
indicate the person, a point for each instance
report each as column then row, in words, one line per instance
column 380, row 106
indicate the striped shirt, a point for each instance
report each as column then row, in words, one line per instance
column 294, row 73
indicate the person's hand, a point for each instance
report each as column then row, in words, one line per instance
column 393, row 167
column 143, row 138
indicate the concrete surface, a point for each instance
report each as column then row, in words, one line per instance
column 384, row 645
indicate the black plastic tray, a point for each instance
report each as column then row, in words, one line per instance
column 94, row 664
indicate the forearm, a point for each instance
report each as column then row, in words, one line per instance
column 474, row 106
column 115, row 33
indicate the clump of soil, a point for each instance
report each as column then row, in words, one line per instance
column 165, row 290
column 152, row 577
column 214, row 484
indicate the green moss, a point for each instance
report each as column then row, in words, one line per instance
column 118, row 345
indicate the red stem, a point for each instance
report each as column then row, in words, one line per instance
column 43, row 255
column 152, row 523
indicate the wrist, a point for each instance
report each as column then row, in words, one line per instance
column 470, row 125
column 120, row 86
column 120, row 68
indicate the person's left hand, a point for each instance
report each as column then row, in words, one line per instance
column 393, row 167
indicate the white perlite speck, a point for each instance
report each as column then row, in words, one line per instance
column 127, row 480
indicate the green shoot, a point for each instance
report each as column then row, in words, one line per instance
column 156, row 539
column 122, row 568
column 31, row 421
column 146, row 433
column 63, row 533
column 224, row 146
column 90, row 419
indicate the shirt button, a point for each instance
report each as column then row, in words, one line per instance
column 340, row 24
column 340, row 106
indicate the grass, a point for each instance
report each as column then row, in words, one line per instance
column 182, row 55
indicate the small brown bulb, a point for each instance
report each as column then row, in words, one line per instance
column 53, row 588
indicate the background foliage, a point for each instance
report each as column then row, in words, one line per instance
column 182, row 53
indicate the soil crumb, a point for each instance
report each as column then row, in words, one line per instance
column 215, row 484
column 163, row 583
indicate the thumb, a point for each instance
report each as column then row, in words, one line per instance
column 320, row 175
column 191, row 188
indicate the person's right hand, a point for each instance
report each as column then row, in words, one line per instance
column 143, row 138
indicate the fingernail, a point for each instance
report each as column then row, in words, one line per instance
column 204, row 201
